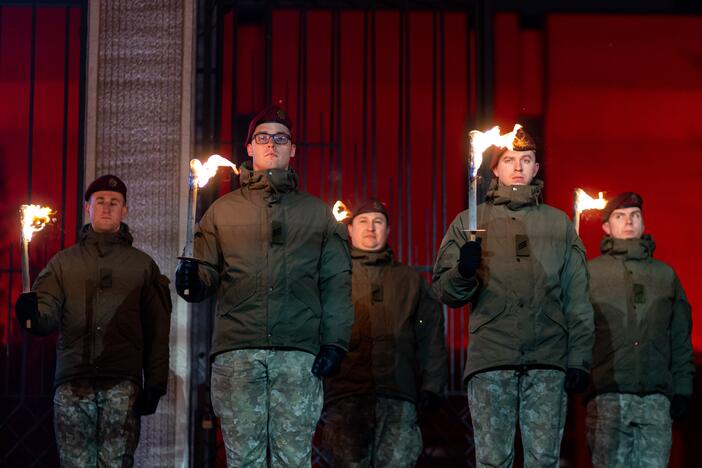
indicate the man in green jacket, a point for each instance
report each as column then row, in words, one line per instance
column 279, row 264
column 642, row 366
column 111, row 307
column 531, row 325
column 370, row 407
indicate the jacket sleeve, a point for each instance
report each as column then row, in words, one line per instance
column 206, row 248
column 156, row 327
column 451, row 288
column 431, row 345
column 577, row 308
column 50, row 299
column 682, row 365
column 335, row 286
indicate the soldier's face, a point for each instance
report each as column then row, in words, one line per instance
column 271, row 155
column 516, row 168
column 106, row 210
column 625, row 223
column 369, row 232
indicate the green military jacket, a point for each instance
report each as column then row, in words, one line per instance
column 398, row 333
column 111, row 306
column 642, row 322
column 529, row 302
column 280, row 266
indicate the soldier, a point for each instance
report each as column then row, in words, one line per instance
column 531, row 326
column 111, row 306
column 280, row 266
column 370, row 414
column 642, row 360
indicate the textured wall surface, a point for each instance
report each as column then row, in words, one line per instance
column 139, row 136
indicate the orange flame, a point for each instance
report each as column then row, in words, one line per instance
column 34, row 218
column 202, row 173
column 340, row 211
column 480, row 141
column 584, row 202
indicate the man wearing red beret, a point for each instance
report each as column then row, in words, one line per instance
column 279, row 264
column 111, row 307
column 531, row 326
column 642, row 367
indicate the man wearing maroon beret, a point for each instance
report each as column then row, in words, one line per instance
column 642, row 368
column 111, row 307
column 279, row 264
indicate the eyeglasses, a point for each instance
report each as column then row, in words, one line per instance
column 278, row 138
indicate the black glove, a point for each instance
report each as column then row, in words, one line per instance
column 147, row 402
column 26, row 308
column 328, row 361
column 576, row 380
column 678, row 406
column 188, row 283
column 429, row 401
column 469, row 261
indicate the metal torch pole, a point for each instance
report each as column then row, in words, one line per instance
column 192, row 210
column 472, row 192
column 24, row 254
column 576, row 212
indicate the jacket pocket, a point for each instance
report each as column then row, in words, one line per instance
column 554, row 315
column 485, row 315
column 237, row 294
column 308, row 296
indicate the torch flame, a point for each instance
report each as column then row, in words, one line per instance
column 480, row 141
column 340, row 211
column 583, row 201
column 202, row 173
column 34, row 218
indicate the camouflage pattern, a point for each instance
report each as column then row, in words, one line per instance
column 535, row 399
column 266, row 398
column 364, row 431
column 626, row 430
column 95, row 424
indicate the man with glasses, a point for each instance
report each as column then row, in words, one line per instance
column 642, row 370
column 280, row 265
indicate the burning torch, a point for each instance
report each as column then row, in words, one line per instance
column 200, row 174
column 478, row 143
column 340, row 211
column 33, row 218
column 583, row 202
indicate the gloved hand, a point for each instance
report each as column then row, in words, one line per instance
column 328, row 361
column 576, row 380
column 27, row 308
column 429, row 401
column 188, row 283
column 147, row 402
column 469, row 260
column 679, row 406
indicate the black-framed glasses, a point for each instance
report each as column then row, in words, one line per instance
column 279, row 138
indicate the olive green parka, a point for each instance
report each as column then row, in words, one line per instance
column 280, row 266
column 398, row 334
column 112, row 308
column 642, row 322
column 530, row 306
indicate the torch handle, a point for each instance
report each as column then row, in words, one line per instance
column 192, row 211
column 26, row 285
column 472, row 190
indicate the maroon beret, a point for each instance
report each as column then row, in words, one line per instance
column 522, row 142
column 269, row 114
column 108, row 182
column 623, row 200
column 370, row 205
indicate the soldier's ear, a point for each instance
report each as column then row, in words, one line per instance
column 606, row 228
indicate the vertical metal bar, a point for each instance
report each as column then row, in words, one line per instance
column 219, row 79
column 400, row 142
column 64, row 141
column 373, row 110
column 331, row 176
column 30, row 135
column 233, row 128
column 82, row 96
column 484, row 48
column 340, row 175
column 268, row 71
column 408, row 156
column 431, row 238
column 364, row 130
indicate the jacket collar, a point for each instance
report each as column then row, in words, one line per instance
column 515, row 197
column 272, row 182
column 382, row 257
column 630, row 249
column 106, row 239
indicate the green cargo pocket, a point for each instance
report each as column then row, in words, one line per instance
column 308, row 297
column 240, row 292
column 554, row 314
column 482, row 317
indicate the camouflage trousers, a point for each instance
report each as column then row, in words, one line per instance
column 95, row 424
column 366, row 431
column 625, row 430
column 501, row 399
column 266, row 400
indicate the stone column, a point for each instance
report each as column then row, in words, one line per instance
column 138, row 126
